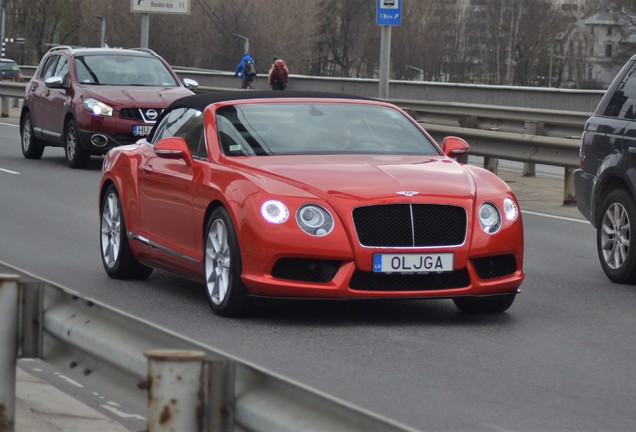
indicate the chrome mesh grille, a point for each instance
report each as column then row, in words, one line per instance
column 410, row 225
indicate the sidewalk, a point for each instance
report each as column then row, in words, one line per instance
column 40, row 407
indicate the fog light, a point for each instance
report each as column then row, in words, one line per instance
column 99, row 140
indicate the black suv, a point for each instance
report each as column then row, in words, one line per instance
column 89, row 100
column 606, row 183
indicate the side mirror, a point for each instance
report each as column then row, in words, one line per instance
column 190, row 84
column 173, row 148
column 455, row 147
column 54, row 82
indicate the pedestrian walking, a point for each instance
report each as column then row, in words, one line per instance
column 247, row 69
column 278, row 74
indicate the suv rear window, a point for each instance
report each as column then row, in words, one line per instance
column 123, row 70
column 623, row 102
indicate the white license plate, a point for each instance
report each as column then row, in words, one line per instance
column 141, row 130
column 413, row 263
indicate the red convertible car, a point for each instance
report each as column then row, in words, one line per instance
column 308, row 195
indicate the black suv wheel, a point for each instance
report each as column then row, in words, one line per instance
column 613, row 237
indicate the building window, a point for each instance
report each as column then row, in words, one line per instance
column 609, row 30
column 608, row 50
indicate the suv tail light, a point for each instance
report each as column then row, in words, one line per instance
column 582, row 150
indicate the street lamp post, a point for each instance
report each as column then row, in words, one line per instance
column 102, row 38
column 420, row 70
column 247, row 42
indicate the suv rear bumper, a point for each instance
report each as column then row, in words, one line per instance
column 584, row 184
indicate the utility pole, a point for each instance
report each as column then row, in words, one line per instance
column 2, row 27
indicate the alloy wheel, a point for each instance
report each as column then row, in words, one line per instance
column 217, row 262
column 615, row 235
column 111, row 234
column 27, row 135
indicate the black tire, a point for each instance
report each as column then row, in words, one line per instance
column 76, row 156
column 32, row 148
column 487, row 304
column 613, row 237
column 117, row 258
column 222, row 266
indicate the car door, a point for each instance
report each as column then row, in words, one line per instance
column 49, row 104
column 166, row 191
column 38, row 94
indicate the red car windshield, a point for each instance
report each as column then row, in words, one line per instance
column 318, row 128
column 124, row 70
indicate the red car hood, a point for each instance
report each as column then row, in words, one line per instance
column 138, row 96
column 368, row 176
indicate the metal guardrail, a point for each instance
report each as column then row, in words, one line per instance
column 527, row 135
column 124, row 356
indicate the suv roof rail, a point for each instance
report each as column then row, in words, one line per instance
column 60, row 48
column 146, row 50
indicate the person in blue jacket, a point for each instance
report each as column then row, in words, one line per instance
column 247, row 69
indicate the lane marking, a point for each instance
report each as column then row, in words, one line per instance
column 9, row 171
column 8, row 124
column 556, row 217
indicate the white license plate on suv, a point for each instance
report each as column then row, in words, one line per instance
column 413, row 263
column 141, row 131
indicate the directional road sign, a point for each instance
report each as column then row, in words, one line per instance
column 161, row 6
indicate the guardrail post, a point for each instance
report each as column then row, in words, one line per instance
column 30, row 319
column 219, row 410
column 491, row 164
column 532, row 128
column 4, row 106
column 466, row 121
column 569, row 193
column 8, row 349
column 175, row 390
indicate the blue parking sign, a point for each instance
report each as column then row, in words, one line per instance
column 389, row 12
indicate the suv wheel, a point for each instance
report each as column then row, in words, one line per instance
column 32, row 148
column 613, row 237
column 76, row 156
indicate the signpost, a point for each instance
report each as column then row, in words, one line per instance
column 389, row 14
column 146, row 7
column 161, row 6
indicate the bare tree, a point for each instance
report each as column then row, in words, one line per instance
column 41, row 23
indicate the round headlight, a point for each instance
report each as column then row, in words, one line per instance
column 314, row 220
column 489, row 218
column 510, row 209
column 274, row 211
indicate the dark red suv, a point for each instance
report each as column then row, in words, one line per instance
column 89, row 100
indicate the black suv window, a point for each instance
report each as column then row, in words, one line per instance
column 623, row 102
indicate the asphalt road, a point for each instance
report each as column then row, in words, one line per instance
column 559, row 360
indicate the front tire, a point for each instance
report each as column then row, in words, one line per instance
column 117, row 257
column 76, row 156
column 223, row 266
column 32, row 148
column 613, row 237
column 485, row 305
